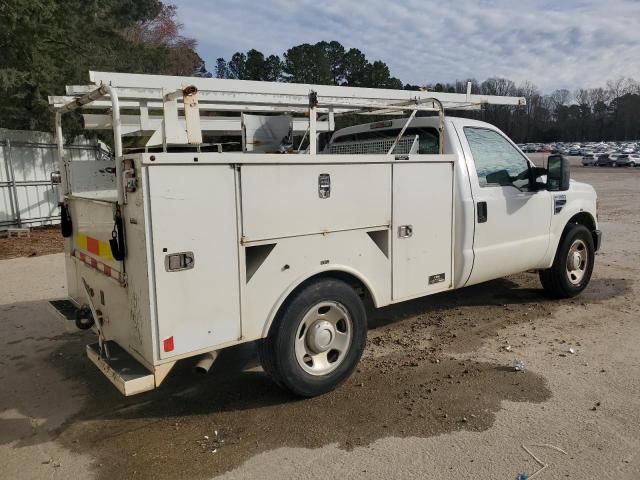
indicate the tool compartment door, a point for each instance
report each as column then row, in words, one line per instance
column 193, row 212
column 422, row 223
column 289, row 200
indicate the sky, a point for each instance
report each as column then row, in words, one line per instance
column 553, row 44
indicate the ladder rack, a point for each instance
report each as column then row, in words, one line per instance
column 187, row 104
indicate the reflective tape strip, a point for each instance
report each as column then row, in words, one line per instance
column 99, row 266
column 94, row 246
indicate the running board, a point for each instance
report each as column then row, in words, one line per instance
column 125, row 372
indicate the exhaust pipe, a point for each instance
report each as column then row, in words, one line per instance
column 206, row 361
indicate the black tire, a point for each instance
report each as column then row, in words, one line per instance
column 278, row 350
column 557, row 281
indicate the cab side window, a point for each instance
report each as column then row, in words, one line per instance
column 498, row 163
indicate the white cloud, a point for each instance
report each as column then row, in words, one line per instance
column 568, row 44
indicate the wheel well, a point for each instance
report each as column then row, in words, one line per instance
column 584, row 218
column 350, row 279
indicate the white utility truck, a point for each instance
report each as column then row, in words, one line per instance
column 179, row 247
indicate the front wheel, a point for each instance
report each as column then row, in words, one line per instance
column 573, row 264
column 317, row 339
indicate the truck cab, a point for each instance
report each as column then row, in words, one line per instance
column 508, row 219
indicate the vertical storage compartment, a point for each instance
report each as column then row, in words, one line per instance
column 195, row 252
column 422, row 223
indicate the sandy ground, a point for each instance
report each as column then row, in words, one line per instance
column 435, row 396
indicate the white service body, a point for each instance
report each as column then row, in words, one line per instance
column 217, row 242
column 258, row 228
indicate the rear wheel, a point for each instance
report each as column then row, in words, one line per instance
column 573, row 264
column 317, row 339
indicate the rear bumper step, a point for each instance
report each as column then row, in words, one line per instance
column 64, row 308
column 125, row 372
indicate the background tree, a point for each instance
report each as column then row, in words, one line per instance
column 221, row 70
column 325, row 63
column 308, row 63
column 46, row 45
column 162, row 32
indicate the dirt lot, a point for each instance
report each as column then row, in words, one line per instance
column 41, row 241
column 435, row 396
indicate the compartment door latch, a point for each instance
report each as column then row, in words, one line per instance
column 324, row 185
column 177, row 262
column 405, row 231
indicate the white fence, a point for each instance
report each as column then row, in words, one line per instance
column 27, row 197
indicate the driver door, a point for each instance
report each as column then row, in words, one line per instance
column 512, row 222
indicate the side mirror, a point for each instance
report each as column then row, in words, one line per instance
column 557, row 173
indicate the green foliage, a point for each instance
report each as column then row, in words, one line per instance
column 307, row 63
column 48, row 44
column 323, row 63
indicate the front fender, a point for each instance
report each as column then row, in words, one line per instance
column 580, row 207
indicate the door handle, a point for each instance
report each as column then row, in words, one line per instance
column 482, row 212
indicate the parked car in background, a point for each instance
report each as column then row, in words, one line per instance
column 603, row 160
column 588, row 159
column 635, row 159
column 623, row 160
column 613, row 160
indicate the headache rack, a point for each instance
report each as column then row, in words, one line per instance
column 403, row 146
column 176, row 110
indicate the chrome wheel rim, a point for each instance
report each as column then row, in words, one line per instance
column 323, row 338
column 577, row 260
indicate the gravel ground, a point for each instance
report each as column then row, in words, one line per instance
column 435, row 395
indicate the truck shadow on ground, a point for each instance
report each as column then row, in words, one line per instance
column 407, row 384
column 505, row 292
column 198, row 427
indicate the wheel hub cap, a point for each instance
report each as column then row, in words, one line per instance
column 320, row 336
column 323, row 338
column 577, row 260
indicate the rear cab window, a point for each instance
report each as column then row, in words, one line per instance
column 428, row 137
column 498, row 163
